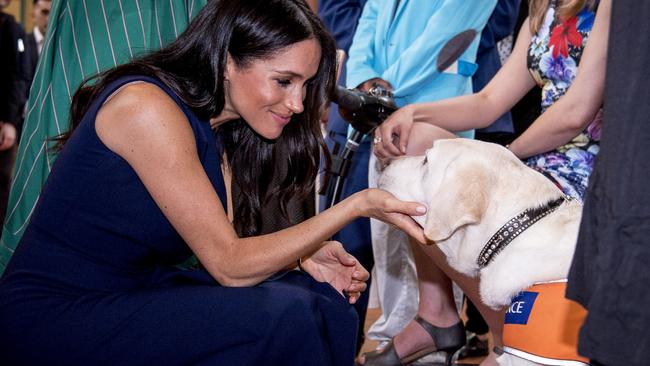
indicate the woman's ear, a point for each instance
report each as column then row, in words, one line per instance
column 230, row 67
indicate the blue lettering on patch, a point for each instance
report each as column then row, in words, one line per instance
column 520, row 308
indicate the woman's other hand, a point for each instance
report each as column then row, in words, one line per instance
column 332, row 264
column 382, row 205
column 391, row 137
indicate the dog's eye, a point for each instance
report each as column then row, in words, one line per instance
column 424, row 162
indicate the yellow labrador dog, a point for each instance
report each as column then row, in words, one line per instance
column 495, row 218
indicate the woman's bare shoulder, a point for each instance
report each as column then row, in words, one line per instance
column 142, row 112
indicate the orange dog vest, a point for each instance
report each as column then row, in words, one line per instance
column 542, row 326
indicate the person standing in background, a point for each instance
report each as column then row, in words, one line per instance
column 421, row 50
column 34, row 40
column 340, row 18
column 11, row 91
column 84, row 38
column 610, row 275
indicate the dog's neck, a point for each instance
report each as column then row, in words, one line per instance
column 514, row 227
column 540, row 254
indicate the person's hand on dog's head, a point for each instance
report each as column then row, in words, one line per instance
column 406, row 138
column 391, row 137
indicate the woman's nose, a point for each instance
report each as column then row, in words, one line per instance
column 294, row 102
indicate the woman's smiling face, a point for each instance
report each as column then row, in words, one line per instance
column 268, row 92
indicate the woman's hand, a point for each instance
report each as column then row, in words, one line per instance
column 7, row 135
column 391, row 137
column 332, row 264
column 382, row 205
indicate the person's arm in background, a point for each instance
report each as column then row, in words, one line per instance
column 564, row 120
column 571, row 114
column 418, row 64
column 466, row 112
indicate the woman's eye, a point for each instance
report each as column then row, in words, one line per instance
column 283, row 82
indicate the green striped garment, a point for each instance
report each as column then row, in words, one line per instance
column 84, row 37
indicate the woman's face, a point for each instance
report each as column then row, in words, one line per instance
column 268, row 92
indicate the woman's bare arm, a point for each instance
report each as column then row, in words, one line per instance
column 143, row 125
column 571, row 114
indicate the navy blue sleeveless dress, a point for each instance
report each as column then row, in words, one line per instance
column 94, row 282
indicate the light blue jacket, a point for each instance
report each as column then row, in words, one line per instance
column 401, row 45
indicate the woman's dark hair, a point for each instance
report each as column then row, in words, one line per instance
column 193, row 67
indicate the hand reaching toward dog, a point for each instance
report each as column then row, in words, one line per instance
column 392, row 136
column 382, row 205
column 332, row 264
column 415, row 138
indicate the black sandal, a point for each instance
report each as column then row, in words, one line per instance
column 448, row 340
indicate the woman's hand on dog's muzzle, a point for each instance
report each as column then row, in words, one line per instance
column 382, row 205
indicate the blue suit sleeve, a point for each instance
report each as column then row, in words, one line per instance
column 501, row 23
column 340, row 18
column 417, row 64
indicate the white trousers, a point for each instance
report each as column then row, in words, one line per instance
column 395, row 278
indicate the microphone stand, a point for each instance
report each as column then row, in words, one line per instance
column 366, row 111
column 341, row 167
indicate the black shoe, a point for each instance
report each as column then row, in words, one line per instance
column 447, row 340
column 474, row 348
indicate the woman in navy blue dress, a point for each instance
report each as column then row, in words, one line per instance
column 138, row 188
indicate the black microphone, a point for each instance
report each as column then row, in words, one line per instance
column 364, row 111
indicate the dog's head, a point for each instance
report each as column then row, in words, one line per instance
column 471, row 188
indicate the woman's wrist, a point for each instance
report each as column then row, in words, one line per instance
column 358, row 204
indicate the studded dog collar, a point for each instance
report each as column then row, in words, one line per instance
column 515, row 226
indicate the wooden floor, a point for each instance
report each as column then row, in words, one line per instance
column 372, row 315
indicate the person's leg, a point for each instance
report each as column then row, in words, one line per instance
column 436, row 305
column 393, row 257
column 436, row 298
column 292, row 320
column 477, row 333
column 470, row 286
column 394, row 275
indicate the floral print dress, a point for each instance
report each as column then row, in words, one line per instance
column 553, row 58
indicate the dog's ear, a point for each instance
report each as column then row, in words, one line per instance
column 459, row 200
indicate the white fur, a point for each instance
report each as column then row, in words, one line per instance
column 473, row 188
